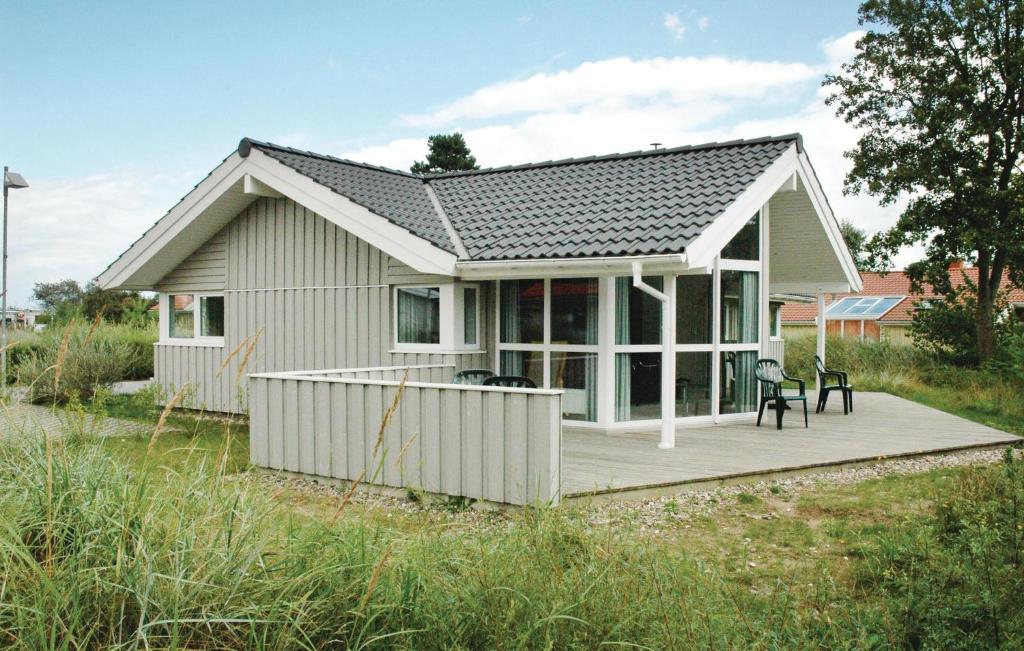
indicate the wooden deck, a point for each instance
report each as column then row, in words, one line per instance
column 882, row 426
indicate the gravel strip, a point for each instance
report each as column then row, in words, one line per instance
column 650, row 515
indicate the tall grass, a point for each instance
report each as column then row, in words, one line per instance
column 991, row 395
column 135, row 344
column 96, row 555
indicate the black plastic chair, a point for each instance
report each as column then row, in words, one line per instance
column 473, row 376
column 770, row 376
column 841, row 384
column 510, row 381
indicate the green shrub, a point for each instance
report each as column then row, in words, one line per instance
column 957, row 583
column 95, row 358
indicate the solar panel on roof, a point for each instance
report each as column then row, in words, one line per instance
column 862, row 306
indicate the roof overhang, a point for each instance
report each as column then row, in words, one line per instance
column 567, row 267
column 232, row 186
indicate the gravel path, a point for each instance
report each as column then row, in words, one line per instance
column 655, row 513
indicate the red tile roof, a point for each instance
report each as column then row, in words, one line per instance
column 894, row 283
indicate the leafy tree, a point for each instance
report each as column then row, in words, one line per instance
column 52, row 296
column 856, row 241
column 115, row 305
column 66, row 298
column 937, row 92
column 945, row 325
column 446, row 153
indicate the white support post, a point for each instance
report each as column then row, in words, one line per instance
column 821, row 332
column 668, row 366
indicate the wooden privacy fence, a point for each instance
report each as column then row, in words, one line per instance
column 487, row 443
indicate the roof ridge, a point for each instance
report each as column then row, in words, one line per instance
column 246, row 144
column 640, row 153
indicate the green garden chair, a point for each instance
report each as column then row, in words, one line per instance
column 473, row 376
column 511, row 381
column 770, row 376
column 841, row 384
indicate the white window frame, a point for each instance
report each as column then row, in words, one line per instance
column 196, row 339
column 459, row 316
column 451, row 338
column 547, row 348
column 445, row 291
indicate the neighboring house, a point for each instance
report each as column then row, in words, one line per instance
column 633, row 289
column 884, row 309
column 22, row 317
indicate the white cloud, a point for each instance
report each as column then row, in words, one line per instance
column 74, row 228
column 622, row 79
column 674, row 26
column 703, row 23
column 843, row 48
column 625, row 104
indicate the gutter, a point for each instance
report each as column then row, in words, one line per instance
column 504, row 268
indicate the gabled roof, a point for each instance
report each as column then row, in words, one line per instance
column 598, row 210
column 398, row 196
column 639, row 203
column 894, row 283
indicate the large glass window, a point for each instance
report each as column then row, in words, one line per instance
column 694, row 309
column 693, row 384
column 637, row 314
column 522, row 311
column 746, row 245
column 469, row 328
column 740, row 298
column 182, row 322
column 524, row 363
column 574, row 311
column 637, row 386
column 737, row 385
column 419, row 315
column 576, row 373
column 212, row 316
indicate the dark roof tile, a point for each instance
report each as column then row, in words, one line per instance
column 621, row 204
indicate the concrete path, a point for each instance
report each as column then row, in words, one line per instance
column 24, row 419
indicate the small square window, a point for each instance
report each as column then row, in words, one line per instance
column 469, row 312
column 182, row 323
column 419, row 315
column 212, row 316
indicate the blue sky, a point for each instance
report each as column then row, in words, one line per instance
column 114, row 110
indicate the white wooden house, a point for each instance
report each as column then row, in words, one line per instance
column 634, row 289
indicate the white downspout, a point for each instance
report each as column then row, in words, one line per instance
column 668, row 372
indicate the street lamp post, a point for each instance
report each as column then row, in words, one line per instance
column 15, row 181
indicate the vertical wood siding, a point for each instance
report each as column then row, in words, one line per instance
column 489, row 444
column 317, row 296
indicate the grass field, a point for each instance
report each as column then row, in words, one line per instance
column 136, row 542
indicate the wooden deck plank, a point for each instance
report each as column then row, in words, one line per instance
column 882, row 426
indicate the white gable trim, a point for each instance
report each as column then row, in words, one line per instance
column 783, row 172
column 220, row 180
column 702, row 251
column 390, row 238
column 397, row 242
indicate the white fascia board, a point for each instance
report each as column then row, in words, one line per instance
column 193, row 204
column 703, row 250
column 828, row 222
column 394, row 240
column 568, row 267
column 809, row 287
